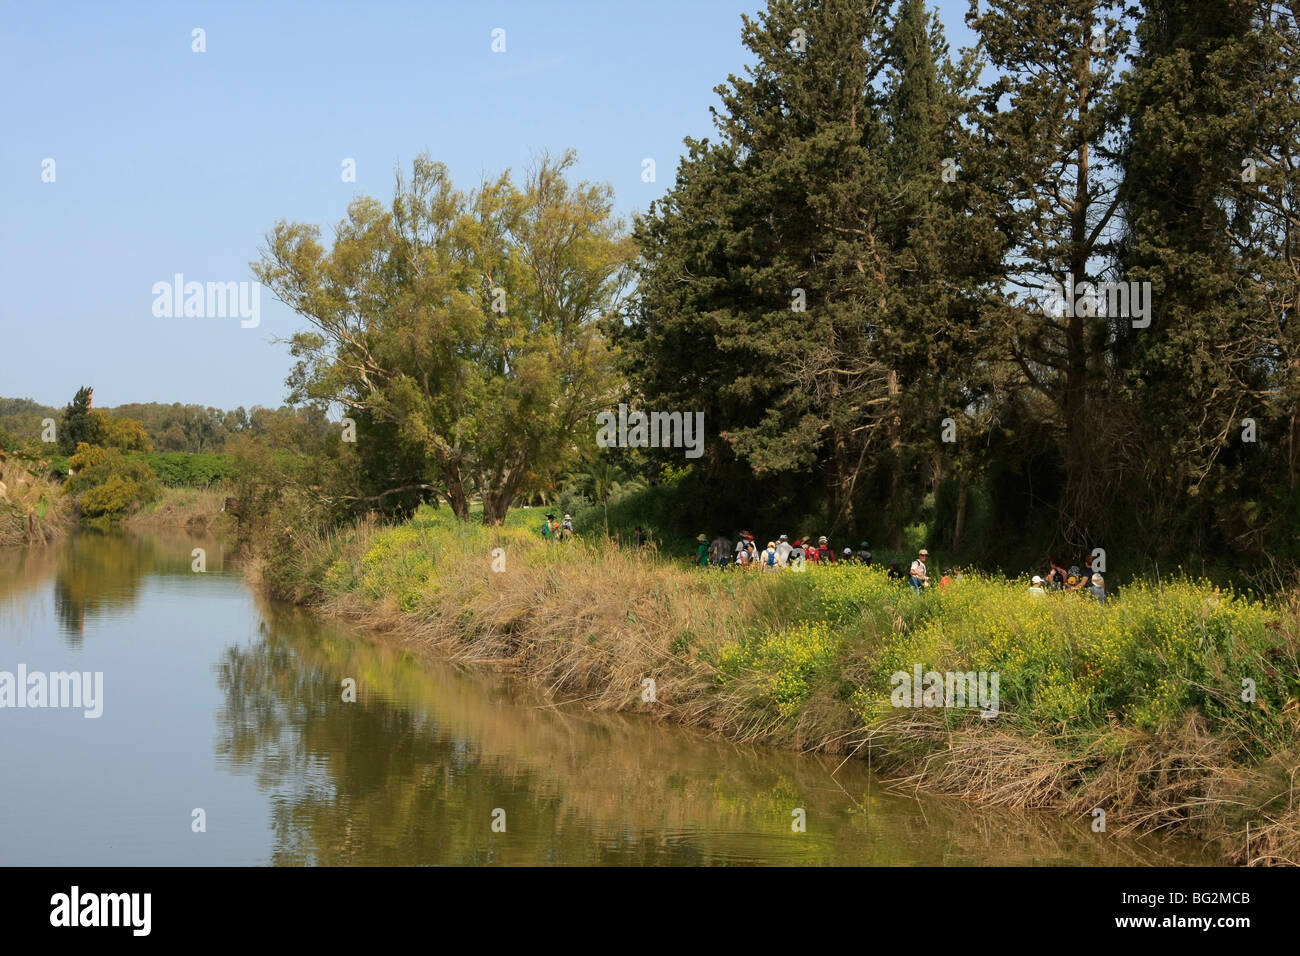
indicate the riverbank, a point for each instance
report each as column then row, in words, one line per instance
column 1134, row 708
column 197, row 510
column 32, row 509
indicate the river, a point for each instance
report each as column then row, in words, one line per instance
column 225, row 739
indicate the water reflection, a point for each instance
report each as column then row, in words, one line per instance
column 102, row 573
column 412, row 772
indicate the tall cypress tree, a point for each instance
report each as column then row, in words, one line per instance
column 76, row 424
column 943, row 249
column 774, row 240
column 1196, row 371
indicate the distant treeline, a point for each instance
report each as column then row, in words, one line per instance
column 196, row 429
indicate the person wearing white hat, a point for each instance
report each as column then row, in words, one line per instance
column 1098, row 588
column 783, row 550
column 1036, row 586
column 918, row 577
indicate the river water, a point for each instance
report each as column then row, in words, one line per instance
column 224, row 738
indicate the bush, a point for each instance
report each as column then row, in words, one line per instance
column 182, row 470
column 108, row 486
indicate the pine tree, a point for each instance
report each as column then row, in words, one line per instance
column 76, row 424
column 1049, row 154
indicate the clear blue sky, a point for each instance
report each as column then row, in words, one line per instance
column 169, row 161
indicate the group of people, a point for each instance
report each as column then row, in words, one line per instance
column 777, row 556
column 781, row 554
column 1088, row 581
column 553, row 530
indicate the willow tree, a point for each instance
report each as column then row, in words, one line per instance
column 469, row 323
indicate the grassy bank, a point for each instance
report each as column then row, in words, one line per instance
column 1134, row 707
column 32, row 508
column 195, row 509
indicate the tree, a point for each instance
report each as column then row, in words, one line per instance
column 471, row 323
column 124, row 434
column 760, row 266
column 76, row 425
column 108, row 486
column 1049, row 153
column 1191, row 221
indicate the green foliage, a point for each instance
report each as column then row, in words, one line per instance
column 469, row 324
column 76, row 424
column 783, row 666
column 182, row 470
column 115, row 431
column 106, row 485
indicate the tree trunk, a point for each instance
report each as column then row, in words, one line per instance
column 959, row 526
column 895, row 518
column 456, row 492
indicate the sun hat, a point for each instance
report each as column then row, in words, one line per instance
column 848, row 550
column 568, row 517
column 864, row 546
column 822, row 539
column 783, row 538
column 924, row 552
column 1037, row 580
column 1097, row 580
column 703, row 537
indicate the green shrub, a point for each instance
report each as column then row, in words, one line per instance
column 106, row 485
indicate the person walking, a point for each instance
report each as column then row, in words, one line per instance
column 824, row 552
column 769, row 557
column 702, row 551
column 864, row 554
column 783, row 550
column 720, row 550
column 918, row 577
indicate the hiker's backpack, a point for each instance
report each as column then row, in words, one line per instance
column 771, row 557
